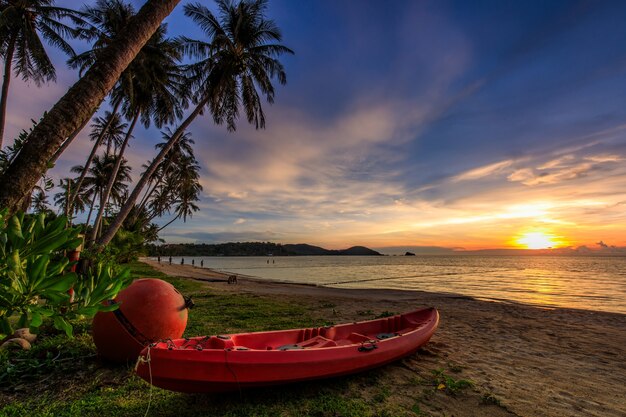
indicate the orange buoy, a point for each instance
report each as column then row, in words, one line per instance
column 150, row 310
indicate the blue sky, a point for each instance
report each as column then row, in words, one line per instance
column 417, row 123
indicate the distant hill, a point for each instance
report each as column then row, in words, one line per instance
column 304, row 249
column 359, row 251
column 310, row 250
column 253, row 249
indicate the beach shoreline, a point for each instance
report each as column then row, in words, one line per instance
column 535, row 361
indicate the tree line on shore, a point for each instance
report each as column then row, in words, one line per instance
column 251, row 249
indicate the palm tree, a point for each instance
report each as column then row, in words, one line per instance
column 97, row 180
column 79, row 103
column 187, row 186
column 39, row 202
column 151, row 88
column 178, row 192
column 111, row 128
column 240, row 57
column 62, row 199
column 105, row 21
column 182, row 148
column 22, row 22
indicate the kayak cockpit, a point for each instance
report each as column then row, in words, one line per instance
column 309, row 338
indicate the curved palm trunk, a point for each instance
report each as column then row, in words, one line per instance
column 68, row 141
column 168, row 223
column 27, row 201
column 113, row 177
column 130, row 202
column 148, row 194
column 93, row 203
column 79, row 103
column 68, row 190
column 158, row 182
column 96, row 145
column 5, row 85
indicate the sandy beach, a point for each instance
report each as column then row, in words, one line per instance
column 533, row 361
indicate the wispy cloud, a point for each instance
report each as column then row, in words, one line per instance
column 567, row 168
column 481, row 172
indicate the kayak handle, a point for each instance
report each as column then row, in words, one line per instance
column 368, row 346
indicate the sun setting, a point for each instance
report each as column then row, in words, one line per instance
column 538, row 240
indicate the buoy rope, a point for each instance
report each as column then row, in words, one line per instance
column 232, row 372
column 126, row 323
column 146, row 360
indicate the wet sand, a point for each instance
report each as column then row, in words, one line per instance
column 534, row 361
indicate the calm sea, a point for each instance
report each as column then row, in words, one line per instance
column 597, row 283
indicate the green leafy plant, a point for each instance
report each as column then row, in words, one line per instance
column 449, row 384
column 100, row 283
column 32, row 279
column 35, row 280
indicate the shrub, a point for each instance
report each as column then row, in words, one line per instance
column 35, row 279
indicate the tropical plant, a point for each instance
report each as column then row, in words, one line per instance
column 79, row 103
column 29, row 272
column 129, row 245
column 22, row 22
column 103, row 22
column 101, row 282
column 35, row 278
column 240, row 56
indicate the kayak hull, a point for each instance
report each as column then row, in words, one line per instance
column 227, row 363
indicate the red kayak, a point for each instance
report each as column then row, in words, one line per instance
column 225, row 363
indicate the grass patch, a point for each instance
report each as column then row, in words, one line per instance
column 142, row 270
column 53, row 354
column 231, row 313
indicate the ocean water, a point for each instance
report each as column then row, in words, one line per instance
column 592, row 283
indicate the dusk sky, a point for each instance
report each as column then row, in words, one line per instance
column 419, row 123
